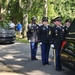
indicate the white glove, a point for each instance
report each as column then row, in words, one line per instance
column 40, row 43
column 29, row 40
column 52, row 45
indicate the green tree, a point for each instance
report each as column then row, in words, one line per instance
column 25, row 6
column 45, row 8
column 3, row 8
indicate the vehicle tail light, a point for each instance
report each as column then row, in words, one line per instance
column 63, row 44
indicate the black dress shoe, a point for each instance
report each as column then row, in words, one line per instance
column 62, row 69
column 35, row 59
column 58, row 70
column 48, row 63
column 32, row 59
column 44, row 63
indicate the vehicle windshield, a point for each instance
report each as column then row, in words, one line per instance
column 4, row 24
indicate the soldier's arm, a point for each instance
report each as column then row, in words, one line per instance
column 52, row 35
column 39, row 34
column 28, row 32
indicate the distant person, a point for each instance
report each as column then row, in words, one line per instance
column 19, row 28
column 45, row 39
column 67, row 25
column 32, row 35
column 11, row 25
column 58, row 37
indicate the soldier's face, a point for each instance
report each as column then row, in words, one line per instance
column 67, row 24
column 58, row 23
column 45, row 22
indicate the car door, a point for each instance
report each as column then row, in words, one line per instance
column 68, row 55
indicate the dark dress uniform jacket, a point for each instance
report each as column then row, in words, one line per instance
column 65, row 29
column 32, row 33
column 45, row 34
column 58, row 36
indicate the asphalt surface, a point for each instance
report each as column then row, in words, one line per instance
column 16, row 61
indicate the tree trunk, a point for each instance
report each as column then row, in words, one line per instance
column 45, row 8
column 25, row 23
column 25, row 8
column 3, row 11
column 0, row 13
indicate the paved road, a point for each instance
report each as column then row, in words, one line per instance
column 17, row 57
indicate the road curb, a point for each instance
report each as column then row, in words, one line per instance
column 4, row 70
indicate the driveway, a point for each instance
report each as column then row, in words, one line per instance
column 17, row 57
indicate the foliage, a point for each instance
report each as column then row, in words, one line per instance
column 17, row 8
column 21, row 40
column 15, row 12
column 37, row 9
column 65, row 8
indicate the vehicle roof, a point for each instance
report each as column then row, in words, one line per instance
column 71, row 30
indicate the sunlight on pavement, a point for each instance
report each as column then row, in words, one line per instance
column 1, row 59
column 20, row 59
column 6, row 46
column 8, row 56
column 13, row 51
column 16, row 67
column 37, row 73
column 9, row 73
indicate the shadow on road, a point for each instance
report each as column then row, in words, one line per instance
column 17, row 57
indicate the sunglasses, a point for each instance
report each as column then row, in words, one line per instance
column 58, row 20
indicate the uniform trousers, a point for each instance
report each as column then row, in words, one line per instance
column 33, row 46
column 58, row 59
column 45, row 52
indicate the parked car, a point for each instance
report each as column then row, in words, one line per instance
column 7, row 35
column 68, row 48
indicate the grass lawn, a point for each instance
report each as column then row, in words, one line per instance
column 23, row 40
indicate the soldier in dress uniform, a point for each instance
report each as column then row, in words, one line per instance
column 67, row 25
column 58, row 37
column 45, row 38
column 32, row 35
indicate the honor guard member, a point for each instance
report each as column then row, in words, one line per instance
column 45, row 37
column 58, row 37
column 67, row 25
column 32, row 35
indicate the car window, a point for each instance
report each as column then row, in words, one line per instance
column 70, row 46
column 3, row 24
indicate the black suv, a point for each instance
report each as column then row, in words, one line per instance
column 68, row 50
column 6, row 34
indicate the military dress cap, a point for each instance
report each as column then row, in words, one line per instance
column 33, row 18
column 45, row 19
column 57, row 19
column 68, row 20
